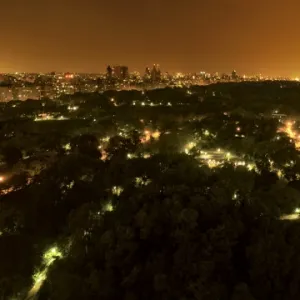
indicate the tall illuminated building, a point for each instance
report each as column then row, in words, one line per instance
column 120, row 72
column 155, row 73
column 234, row 75
column 147, row 72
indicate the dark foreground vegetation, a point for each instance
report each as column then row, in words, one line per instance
column 165, row 194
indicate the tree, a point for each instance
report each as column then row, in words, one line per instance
column 86, row 144
column 11, row 155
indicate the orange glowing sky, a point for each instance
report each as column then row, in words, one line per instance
column 257, row 36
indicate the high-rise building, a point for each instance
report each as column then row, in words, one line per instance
column 124, row 72
column 147, row 72
column 120, row 72
column 234, row 75
column 147, row 75
column 155, row 73
column 109, row 71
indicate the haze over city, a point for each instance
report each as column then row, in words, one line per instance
column 150, row 150
column 190, row 36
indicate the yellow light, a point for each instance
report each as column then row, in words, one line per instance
column 106, row 139
column 108, row 207
column 211, row 163
column 228, row 155
column 51, row 255
column 190, row 145
column 250, row 167
column 131, row 155
column 39, row 277
column 67, row 146
column 156, row 134
column 117, row 190
column 2, row 178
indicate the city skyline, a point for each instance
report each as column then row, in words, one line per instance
column 252, row 37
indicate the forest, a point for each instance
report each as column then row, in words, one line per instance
column 174, row 193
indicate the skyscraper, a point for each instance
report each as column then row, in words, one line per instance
column 109, row 71
column 147, row 72
column 124, row 72
column 120, row 72
column 155, row 73
column 234, row 75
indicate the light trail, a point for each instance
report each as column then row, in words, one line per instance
column 49, row 257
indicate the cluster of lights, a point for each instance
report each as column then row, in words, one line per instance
column 215, row 158
column 7, row 191
column 106, row 139
column 117, row 190
column 67, row 147
column 146, row 155
column 293, row 216
column 150, row 134
column 131, row 155
column 40, row 276
column 212, row 163
column 291, row 132
column 51, row 255
column 189, row 146
column 47, row 117
column 72, row 108
column 143, row 103
column 108, row 207
column 140, row 181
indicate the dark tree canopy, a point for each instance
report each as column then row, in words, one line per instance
column 169, row 193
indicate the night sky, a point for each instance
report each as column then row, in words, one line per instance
column 257, row 36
